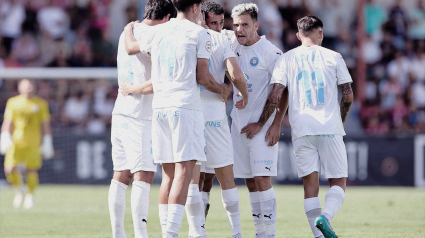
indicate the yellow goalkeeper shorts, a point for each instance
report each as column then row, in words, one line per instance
column 29, row 156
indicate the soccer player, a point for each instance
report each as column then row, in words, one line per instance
column 219, row 149
column 255, row 159
column 131, row 129
column 180, row 52
column 313, row 75
column 26, row 119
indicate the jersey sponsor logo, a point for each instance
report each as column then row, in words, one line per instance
column 208, row 46
column 254, row 61
column 170, row 113
column 266, row 162
column 232, row 47
column 213, row 124
column 249, row 86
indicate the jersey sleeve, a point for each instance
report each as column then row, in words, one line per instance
column 279, row 73
column 44, row 111
column 342, row 74
column 204, row 45
column 228, row 48
column 272, row 59
column 8, row 113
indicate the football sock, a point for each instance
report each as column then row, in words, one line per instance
column 14, row 178
column 230, row 199
column 313, row 209
column 32, row 182
column 205, row 199
column 333, row 201
column 255, row 200
column 174, row 219
column 116, row 201
column 140, row 207
column 163, row 211
column 268, row 210
column 195, row 212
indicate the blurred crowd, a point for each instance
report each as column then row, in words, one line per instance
column 77, row 33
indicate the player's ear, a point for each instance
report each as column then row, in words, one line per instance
column 298, row 36
column 256, row 25
column 167, row 18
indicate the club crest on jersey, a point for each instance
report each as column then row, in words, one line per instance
column 232, row 47
column 254, row 61
column 208, row 46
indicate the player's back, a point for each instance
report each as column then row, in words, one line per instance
column 27, row 116
column 175, row 51
column 135, row 70
column 313, row 75
column 221, row 49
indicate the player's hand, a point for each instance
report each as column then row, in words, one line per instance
column 225, row 92
column 241, row 104
column 273, row 134
column 46, row 148
column 129, row 26
column 5, row 142
column 125, row 88
column 251, row 129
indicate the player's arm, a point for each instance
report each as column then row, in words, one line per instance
column 273, row 134
column 46, row 148
column 235, row 74
column 6, row 135
column 131, row 45
column 204, row 78
column 346, row 100
column 143, row 88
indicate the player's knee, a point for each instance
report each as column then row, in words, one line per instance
column 251, row 185
column 341, row 182
column 263, row 183
column 144, row 176
column 124, row 177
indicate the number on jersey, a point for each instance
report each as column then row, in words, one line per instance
column 312, row 81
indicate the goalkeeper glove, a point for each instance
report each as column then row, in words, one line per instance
column 5, row 142
column 46, row 148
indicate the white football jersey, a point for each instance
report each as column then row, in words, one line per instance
column 175, row 47
column 257, row 62
column 312, row 75
column 136, row 70
column 222, row 48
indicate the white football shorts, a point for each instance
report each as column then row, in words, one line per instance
column 219, row 146
column 253, row 157
column 324, row 153
column 178, row 135
column 131, row 140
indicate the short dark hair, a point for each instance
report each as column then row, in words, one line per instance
column 212, row 7
column 309, row 23
column 158, row 9
column 183, row 5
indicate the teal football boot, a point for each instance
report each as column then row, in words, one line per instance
column 323, row 225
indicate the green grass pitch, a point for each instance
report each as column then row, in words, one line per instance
column 82, row 211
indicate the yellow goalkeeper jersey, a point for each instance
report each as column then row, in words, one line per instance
column 27, row 116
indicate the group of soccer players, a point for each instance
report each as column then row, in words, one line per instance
column 171, row 110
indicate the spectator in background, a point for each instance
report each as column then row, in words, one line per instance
column 99, row 18
column 399, row 69
column 417, row 21
column 371, row 51
column 330, row 13
column 390, row 90
column 417, row 66
column 397, row 25
column 25, row 50
column 104, row 51
column 375, row 16
column 12, row 15
column 417, row 93
column 271, row 24
column 53, row 20
column 76, row 109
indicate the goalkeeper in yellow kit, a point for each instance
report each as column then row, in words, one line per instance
column 26, row 119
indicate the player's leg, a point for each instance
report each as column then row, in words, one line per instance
column 164, row 193
column 230, row 198
column 139, row 153
column 206, row 189
column 140, row 201
column 120, row 180
column 334, row 163
column 201, row 181
column 14, row 177
column 308, row 165
column 194, row 206
column 33, row 164
column 255, row 200
column 263, row 159
column 178, row 196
